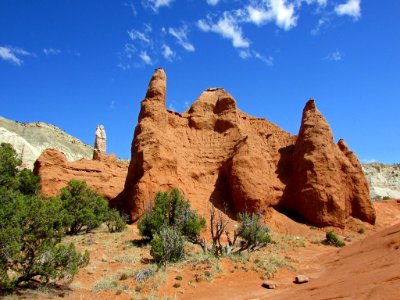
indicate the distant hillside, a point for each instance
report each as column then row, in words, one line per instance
column 31, row 139
column 384, row 180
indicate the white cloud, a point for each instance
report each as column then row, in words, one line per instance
column 112, row 104
column 246, row 54
column 228, row 27
column 167, row 52
column 132, row 7
column 322, row 3
column 265, row 11
column 212, row 2
column 181, row 36
column 321, row 23
column 156, row 4
column 51, row 51
column 145, row 58
column 10, row 54
column 335, row 56
column 351, row 8
column 141, row 36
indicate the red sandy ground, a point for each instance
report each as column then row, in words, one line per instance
column 367, row 268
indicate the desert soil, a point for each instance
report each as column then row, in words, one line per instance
column 366, row 268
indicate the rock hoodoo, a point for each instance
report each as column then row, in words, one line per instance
column 218, row 155
column 100, row 146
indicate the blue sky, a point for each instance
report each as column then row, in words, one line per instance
column 77, row 64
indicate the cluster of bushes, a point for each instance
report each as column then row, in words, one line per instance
column 31, row 229
column 171, row 222
column 168, row 224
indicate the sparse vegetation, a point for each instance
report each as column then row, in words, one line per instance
column 333, row 240
column 84, row 209
column 386, row 198
column 361, row 231
column 114, row 221
column 167, row 224
column 31, row 230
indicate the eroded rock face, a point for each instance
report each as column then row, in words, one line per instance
column 327, row 184
column 106, row 176
column 218, row 155
column 100, row 143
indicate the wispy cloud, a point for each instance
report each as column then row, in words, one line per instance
column 212, row 2
column 156, row 4
column 181, row 36
column 167, row 52
column 142, row 36
column 132, row 7
column 246, row 54
column 335, row 56
column 145, row 58
column 51, row 51
column 12, row 54
column 112, row 104
column 228, row 27
column 351, row 8
column 321, row 23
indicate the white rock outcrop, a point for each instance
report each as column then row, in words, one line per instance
column 383, row 180
column 31, row 139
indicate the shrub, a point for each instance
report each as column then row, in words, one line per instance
column 24, row 181
column 171, row 209
column 114, row 221
column 85, row 209
column 333, row 240
column 386, row 198
column 8, row 166
column 167, row 246
column 30, row 232
column 253, row 232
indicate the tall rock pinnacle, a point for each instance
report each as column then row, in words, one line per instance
column 328, row 184
column 100, row 145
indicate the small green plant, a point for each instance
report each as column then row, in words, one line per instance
column 333, row 240
column 179, row 277
column 85, row 210
column 114, row 221
column 361, row 231
column 171, row 209
column 176, row 285
column 386, row 198
column 167, row 246
column 123, row 276
column 167, row 224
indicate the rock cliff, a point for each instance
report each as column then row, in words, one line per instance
column 31, row 139
column 106, row 175
column 218, row 155
column 384, row 180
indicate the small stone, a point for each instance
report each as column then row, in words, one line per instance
column 348, row 239
column 301, row 279
column 269, row 285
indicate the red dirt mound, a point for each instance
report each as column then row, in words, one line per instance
column 368, row 269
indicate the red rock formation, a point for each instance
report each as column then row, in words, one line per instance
column 327, row 184
column 218, row 155
column 106, row 176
